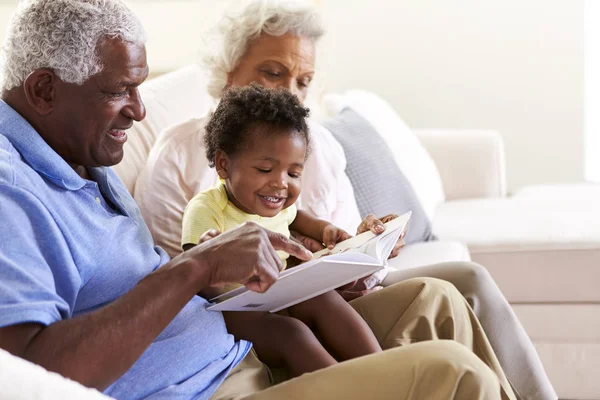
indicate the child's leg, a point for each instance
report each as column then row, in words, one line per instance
column 340, row 327
column 280, row 340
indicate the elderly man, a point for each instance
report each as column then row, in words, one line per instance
column 84, row 291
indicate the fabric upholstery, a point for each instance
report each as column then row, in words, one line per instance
column 380, row 187
column 471, row 162
column 410, row 155
column 169, row 100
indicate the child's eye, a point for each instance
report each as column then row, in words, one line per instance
column 295, row 176
column 263, row 171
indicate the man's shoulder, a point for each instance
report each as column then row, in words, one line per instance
column 7, row 173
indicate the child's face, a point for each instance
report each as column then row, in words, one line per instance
column 267, row 177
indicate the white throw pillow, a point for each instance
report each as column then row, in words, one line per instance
column 410, row 155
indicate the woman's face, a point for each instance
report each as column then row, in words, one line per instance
column 286, row 61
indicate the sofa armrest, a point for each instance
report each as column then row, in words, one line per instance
column 471, row 162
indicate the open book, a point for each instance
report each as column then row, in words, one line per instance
column 348, row 261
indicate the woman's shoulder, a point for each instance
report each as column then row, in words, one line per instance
column 180, row 135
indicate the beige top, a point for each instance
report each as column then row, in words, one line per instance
column 177, row 170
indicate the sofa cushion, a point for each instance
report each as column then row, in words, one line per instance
column 577, row 192
column 537, row 250
column 380, row 187
column 169, row 99
column 428, row 253
column 410, row 155
column 23, row 380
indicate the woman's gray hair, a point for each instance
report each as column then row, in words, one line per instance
column 228, row 42
column 64, row 35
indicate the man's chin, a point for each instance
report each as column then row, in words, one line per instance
column 109, row 160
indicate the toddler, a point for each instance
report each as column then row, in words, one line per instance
column 258, row 141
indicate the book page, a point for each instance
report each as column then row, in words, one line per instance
column 301, row 283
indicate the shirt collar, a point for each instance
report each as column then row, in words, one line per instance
column 36, row 152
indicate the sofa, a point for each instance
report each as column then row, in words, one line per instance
column 539, row 244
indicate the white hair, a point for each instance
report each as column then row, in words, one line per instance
column 228, row 42
column 64, row 35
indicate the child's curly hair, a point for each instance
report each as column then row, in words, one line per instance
column 242, row 107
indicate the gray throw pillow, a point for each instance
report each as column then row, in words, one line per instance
column 379, row 186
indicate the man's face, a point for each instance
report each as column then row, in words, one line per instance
column 89, row 121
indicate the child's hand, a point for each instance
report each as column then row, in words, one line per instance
column 332, row 235
column 210, row 234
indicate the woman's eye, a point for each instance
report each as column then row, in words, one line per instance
column 272, row 74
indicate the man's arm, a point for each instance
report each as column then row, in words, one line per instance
column 97, row 348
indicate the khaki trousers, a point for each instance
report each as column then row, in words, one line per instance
column 510, row 342
column 417, row 310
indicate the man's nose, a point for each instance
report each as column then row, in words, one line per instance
column 135, row 109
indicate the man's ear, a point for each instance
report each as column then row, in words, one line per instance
column 222, row 163
column 40, row 90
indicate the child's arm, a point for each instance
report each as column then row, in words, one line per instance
column 318, row 229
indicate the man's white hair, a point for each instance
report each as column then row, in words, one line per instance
column 228, row 42
column 64, row 35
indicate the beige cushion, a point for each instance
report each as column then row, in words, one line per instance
column 427, row 253
column 537, row 250
column 169, row 99
column 23, row 380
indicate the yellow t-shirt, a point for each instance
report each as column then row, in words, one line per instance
column 212, row 209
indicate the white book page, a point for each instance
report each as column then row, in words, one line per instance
column 303, row 282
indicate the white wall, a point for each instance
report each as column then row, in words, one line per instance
column 592, row 90
column 511, row 65
column 173, row 26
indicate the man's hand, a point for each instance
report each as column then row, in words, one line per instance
column 245, row 255
column 332, row 235
column 376, row 226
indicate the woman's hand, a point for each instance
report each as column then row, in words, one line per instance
column 375, row 225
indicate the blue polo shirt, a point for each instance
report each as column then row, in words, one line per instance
column 69, row 246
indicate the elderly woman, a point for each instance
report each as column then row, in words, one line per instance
column 273, row 43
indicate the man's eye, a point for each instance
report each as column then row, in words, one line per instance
column 118, row 94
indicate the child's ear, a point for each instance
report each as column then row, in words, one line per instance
column 222, row 163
